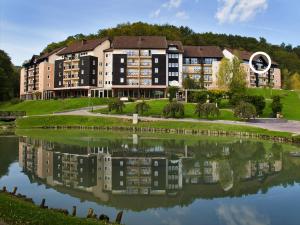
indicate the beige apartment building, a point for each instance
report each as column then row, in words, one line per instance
column 37, row 76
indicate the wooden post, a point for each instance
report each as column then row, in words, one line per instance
column 42, row 205
column 14, row 190
column 4, row 189
column 119, row 217
column 103, row 217
column 74, row 211
column 90, row 213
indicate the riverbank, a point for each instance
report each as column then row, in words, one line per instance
column 175, row 127
column 16, row 211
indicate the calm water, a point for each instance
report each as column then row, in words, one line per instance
column 157, row 180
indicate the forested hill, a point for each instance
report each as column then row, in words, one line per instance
column 287, row 56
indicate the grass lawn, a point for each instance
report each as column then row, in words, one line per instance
column 156, row 108
column 85, row 121
column 290, row 101
column 39, row 107
column 19, row 212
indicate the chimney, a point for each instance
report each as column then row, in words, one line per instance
column 83, row 41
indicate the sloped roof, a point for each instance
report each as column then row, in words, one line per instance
column 47, row 54
column 140, row 42
column 178, row 44
column 202, row 51
column 83, row 45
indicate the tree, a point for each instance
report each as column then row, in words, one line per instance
column 116, row 105
column 172, row 92
column 174, row 109
column 207, row 110
column 142, row 107
column 224, row 74
column 189, row 83
column 245, row 111
column 276, row 105
column 238, row 80
column 9, row 78
column 294, row 81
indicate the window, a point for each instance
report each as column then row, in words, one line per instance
column 156, row 80
column 121, row 173
column 48, row 68
column 106, row 55
column 93, row 81
column 156, row 70
column 156, row 60
column 121, row 183
column 59, row 83
column 122, row 60
column 122, row 70
column 81, row 170
column 82, row 62
column 194, row 61
column 94, row 62
column 82, row 71
column 100, row 64
column 81, row 161
column 121, row 163
column 155, row 183
column 94, row 71
column 48, row 76
column 106, row 64
column 106, row 73
column 82, row 81
column 156, row 173
column 155, row 163
column 59, row 74
column 121, row 80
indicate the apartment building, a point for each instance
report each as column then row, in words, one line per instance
column 37, row 76
column 80, row 67
column 142, row 66
column 271, row 78
column 201, row 63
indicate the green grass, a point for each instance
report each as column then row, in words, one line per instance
column 39, row 107
column 290, row 101
column 16, row 211
column 156, row 108
column 85, row 121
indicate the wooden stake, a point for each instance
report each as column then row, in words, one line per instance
column 14, row 190
column 90, row 213
column 74, row 211
column 119, row 217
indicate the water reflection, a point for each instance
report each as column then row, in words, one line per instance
column 151, row 168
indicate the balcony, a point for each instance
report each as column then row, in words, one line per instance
column 146, row 64
column 132, row 64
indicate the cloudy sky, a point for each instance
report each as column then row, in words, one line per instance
column 27, row 26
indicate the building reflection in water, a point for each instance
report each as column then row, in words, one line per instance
column 154, row 169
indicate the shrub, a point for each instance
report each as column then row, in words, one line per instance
column 206, row 110
column 199, row 97
column 245, row 110
column 276, row 105
column 15, row 101
column 174, row 109
column 142, row 107
column 116, row 105
column 256, row 100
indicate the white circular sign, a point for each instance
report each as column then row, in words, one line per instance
column 262, row 71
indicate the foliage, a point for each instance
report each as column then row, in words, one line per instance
column 198, row 97
column 116, row 105
column 9, row 78
column 256, row 100
column 207, row 110
column 189, row 83
column 174, row 109
column 224, row 74
column 238, row 77
column 294, row 81
column 276, row 105
column 142, row 107
column 172, row 92
column 245, row 111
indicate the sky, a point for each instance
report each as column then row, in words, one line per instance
column 27, row 26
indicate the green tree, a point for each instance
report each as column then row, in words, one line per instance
column 224, row 74
column 276, row 105
column 245, row 111
column 207, row 110
column 238, row 80
column 142, row 107
column 116, row 105
column 294, row 81
column 189, row 83
column 174, row 109
column 172, row 91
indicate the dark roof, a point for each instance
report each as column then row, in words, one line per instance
column 83, row 45
column 47, row 54
column 140, row 42
column 203, row 51
column 178, row 44
column 245, row 55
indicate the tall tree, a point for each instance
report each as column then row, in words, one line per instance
column 224, row 74
column 295, row 81
column 238, row 80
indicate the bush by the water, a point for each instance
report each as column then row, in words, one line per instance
column 174, row 109
column 245, row 110
column 276, row 105
column 207, row 110
column 202, row 96
column 256, row 100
